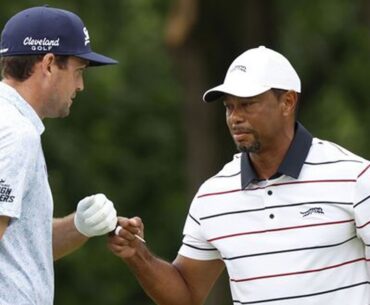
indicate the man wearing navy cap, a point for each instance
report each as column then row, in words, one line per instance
column 288, row 217
column 44, row 52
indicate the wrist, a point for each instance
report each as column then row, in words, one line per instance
column 79, row 226
column 141, row 259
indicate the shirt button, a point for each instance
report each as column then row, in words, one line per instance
column 269, row 192
column 272, row 216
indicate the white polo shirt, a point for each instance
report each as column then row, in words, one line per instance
column 301, row 237
column 26, row 262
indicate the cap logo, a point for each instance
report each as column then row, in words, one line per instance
column 87, row 37
column 44, row 29
column 42, row 44
column 239, row 68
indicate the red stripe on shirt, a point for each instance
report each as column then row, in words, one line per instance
column 366, row 168
column 300, row 272
column 219, row 193
column 280, row 229
column 277, row 184
column 364, row 225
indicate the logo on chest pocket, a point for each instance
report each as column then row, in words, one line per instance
column 312, row 211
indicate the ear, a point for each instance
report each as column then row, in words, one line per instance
column 289, row 102
column 47, row 63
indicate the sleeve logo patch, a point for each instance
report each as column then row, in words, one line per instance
column 5, row 192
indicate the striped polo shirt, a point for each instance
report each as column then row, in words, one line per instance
column 301, row 237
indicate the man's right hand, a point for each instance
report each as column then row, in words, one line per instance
column 126, row 244
column 184, row 282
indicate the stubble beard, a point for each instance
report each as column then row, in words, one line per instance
column 58, row 106
column 255, row 147
column 64, row 112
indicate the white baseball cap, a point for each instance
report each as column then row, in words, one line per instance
column 254, row 72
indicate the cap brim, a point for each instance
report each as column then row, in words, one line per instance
column 245, row 91
column 96, row 59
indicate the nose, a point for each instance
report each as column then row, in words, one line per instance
column 235, row 117
column 80, row 85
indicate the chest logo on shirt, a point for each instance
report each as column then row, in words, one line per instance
column 312, row 211
column 5, row 192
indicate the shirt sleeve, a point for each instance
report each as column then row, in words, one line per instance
column 17, row 151
column 194, row 244
column 361, row 206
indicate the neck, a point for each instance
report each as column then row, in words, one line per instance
column 26, row 90
column 267, row 162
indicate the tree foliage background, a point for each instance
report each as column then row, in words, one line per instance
column 140, row 133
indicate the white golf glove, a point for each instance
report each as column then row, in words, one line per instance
column 95, row 215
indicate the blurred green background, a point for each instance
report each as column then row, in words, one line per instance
column 140, row 133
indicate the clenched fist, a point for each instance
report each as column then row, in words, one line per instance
column 95, row 215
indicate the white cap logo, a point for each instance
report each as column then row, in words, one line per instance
column 87, row 37
column 239, row 68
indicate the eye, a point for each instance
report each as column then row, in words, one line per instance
column 248, row 104
column 80, row 72
column 228, row 106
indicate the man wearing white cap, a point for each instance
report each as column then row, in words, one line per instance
column 44, row 52
column 288, row 217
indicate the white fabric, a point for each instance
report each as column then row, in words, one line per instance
column 289, row 241
column 255, row 71
column 26, row 262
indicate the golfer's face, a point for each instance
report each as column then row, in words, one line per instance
column 254, row 122
column 66, row 83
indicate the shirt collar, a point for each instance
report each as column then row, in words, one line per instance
column 13, row 97
column 292, row 162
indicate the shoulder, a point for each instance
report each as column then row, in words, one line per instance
column 226, row 179
column 325, row 154
column 15, row 129
column 323, row 150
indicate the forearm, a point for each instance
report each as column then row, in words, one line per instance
column 66, row 238
column 4, row 221
column 160, row 280
column 184, row 282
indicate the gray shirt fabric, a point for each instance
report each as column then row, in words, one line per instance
column 26, row 262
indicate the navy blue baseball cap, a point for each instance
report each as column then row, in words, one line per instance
column 43, row 29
